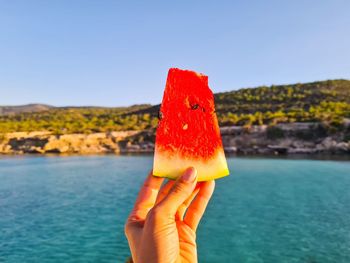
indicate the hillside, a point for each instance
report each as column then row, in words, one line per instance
column 316, row 101
column 322, row 101
column 10, row 110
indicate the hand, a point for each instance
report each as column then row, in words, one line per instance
column 158, row 230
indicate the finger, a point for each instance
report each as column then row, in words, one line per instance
column 181, row 190
column 183, row 207
column 197, row 208
column 146, row 197
column 164, row 191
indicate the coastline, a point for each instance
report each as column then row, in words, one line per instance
column 314, row 156
column 281, row 139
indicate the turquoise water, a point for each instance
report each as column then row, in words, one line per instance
column 72, row 209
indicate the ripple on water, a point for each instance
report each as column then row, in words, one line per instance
column 72, row 209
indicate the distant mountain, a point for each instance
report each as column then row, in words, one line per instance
column 8, row 110
column 37, row 107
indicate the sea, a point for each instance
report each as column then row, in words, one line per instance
column 73, row 209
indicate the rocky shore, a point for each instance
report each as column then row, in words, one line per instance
column 289, row 138
column 45, row 142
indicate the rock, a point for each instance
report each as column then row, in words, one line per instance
column 346, row 122
column 329, row 143
column 147, row 146
column 231, row 130
column 278, row 149
column 230, row 149
column 301, row 150
column 133, row 148
column 27, row 145
column 266, row 151
column 296, row 126
column 320, row 148
column 5, row 149
column 287, row 142
column 298, row 144
column 342, row 147
column 56, row 145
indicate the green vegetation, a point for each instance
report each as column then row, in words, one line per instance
column 324, row 101
column 79, row 120
column 273, row 133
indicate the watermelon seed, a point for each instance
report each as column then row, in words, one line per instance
column 185, row 126
column 194, row 106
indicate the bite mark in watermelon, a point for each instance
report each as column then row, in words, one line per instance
column 188, row 133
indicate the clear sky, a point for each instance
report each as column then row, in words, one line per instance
column 115, row 53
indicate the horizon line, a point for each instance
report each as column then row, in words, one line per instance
column 150, row 104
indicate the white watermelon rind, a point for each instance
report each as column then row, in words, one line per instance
column 172, row 166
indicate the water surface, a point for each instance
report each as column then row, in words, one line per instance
column 72, row 209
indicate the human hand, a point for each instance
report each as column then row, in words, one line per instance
column 162, row 225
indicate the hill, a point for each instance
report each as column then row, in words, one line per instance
column 316, row 101
column 321, row 101
column 8, row 110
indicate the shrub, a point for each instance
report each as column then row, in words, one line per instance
column 274, row 132
column 305, row 135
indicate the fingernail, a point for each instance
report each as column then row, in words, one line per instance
column 189, row 175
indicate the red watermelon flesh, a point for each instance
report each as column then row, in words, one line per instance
column 188, row 133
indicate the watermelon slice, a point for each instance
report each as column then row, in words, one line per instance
column 188, row 133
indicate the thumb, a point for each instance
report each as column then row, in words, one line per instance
column 181, row 190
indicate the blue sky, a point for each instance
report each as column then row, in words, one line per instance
column 115, row 53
